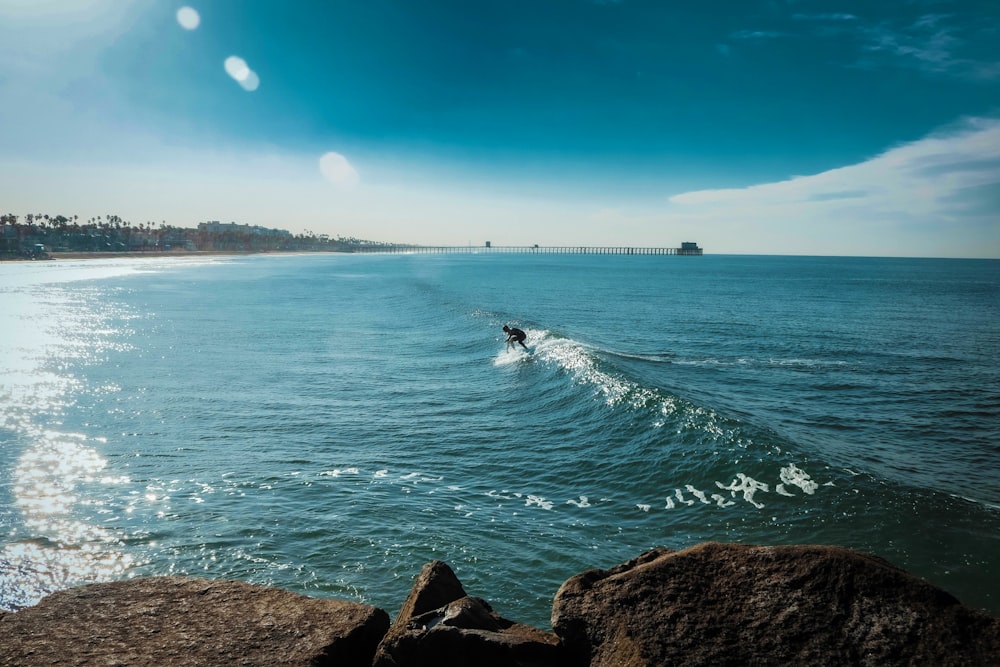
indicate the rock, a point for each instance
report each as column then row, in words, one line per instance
column 184, row 621
column 732, row 604
column 439, row 625
column 434, row 587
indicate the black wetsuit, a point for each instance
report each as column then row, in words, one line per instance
column 518, row 335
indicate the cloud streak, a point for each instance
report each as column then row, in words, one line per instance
column 931, row 44
column 935, row 44
column 944, row 182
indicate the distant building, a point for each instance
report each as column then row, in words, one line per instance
column 689, row 248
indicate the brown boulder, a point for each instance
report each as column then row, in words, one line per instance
column 439, row 625
column 182, row 621
column 732, row 604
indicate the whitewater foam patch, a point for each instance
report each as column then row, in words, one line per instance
column 578, row 359
column 790, row 477
column 539, row 502
column 681, row 499
column 795, row 476
column 700, row 495
column 511, row 356
column 538, row 341
column 747, row 486
column 339, row 472
column 418, row 478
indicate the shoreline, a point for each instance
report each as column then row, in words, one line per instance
column 62, row 256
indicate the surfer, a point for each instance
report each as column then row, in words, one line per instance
column 515, row 335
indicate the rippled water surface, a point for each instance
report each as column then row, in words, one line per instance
column 330, row 423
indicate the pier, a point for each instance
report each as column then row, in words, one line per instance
column 690, row 249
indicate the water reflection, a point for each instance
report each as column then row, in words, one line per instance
column 52, row 547
column 56, row 531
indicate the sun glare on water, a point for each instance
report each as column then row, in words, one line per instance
column 58, row 533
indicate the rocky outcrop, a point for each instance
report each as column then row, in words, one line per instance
column 731, row 604
column 439, row 625
column 713, row 604
column 183, row 621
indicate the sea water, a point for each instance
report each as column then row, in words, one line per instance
column 330, row 423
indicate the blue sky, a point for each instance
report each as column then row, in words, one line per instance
column 778, row 126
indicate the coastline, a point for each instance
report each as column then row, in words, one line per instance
column 166, row 253
column 62, row 256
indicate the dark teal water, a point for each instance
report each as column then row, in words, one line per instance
column 328, row 424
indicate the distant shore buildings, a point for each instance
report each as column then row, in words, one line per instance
column 40, row 236
column 36, row 236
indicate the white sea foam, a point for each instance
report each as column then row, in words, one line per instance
column 700, row 495
column 680, row 497
column 338, row 472
column 511, row 356
column 539, row 501
column 748, row 486
column 670, row 503
column 721, row 501
column 418, row 478
column 795, row 476
column 582, row 502
column 643, row 507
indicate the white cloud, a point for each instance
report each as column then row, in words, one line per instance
column 934, row 44
column 939, row 195
column 336, row 169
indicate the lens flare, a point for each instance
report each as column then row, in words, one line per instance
column 188, row 18
column 238, row 69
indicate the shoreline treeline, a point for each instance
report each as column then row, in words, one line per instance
column 37, row 235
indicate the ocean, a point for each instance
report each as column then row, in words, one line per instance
column 330, row 423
